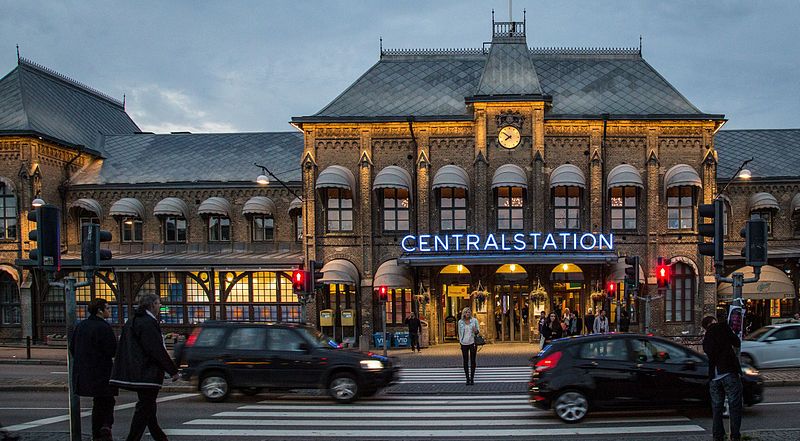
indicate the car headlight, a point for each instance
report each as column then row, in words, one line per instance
column 371, row 365
column 750, row 371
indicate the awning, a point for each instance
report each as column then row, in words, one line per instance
column 618, row 272
column 339, row 271
column 393, row 275
column 773, row 284
column 215, row 205
column 11, row 271
column 7, row 182
column 451, row 176
column 88, row 205
column 625, row 175
column 296, row 204
column 336, row 176
column 763, row 201
column 510, row 175
column 130, row 207
column 393, row 177
column 567, row 175
column 795, row 205
column 259, row 205
column 682, row 175
column 171, row 207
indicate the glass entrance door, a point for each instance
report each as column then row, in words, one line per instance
column 511, row 312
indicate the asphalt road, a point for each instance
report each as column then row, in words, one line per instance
column 458, row 416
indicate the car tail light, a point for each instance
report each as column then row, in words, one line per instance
column 192, row 338
column 548, row 362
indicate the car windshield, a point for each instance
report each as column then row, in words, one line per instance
column 319, row 339
column 758, row 333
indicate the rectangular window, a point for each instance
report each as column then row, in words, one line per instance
column 298, row 228
column 567, row 208
column 453, row 209
column 174, row 230
column 9, row 301
column 131, row 229
column 680, row 208
column 767, row 216
column 263, row 229
column 265, row 288
column 398, row 306
column 680, row 296
column 510, row 207
column 85, row 221
column 219, row 229
column 8, row 213
column 395, row 209
column 339, row 210
column 623, row 208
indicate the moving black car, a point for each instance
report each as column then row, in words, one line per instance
column 607, row 371
column 277, row 356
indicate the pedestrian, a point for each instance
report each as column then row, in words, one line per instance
column 540, row 327
column 93, row 345
column 721, row 346
column 414, row 328
column 553, row 329
column 601, row 323
column 572, row 327
column 797, row 316
column 140, row 364
column 624, row 321
column 578, row 324
column 468, row 328
column 589, row 322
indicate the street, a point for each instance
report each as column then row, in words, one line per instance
column 475, row 413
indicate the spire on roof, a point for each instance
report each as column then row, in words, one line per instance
column 17, row 53
column 509, row 69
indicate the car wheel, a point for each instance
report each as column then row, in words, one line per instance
column 748, row 359
column 343, row 388
column 214, row 387
column 250, row 391
column 571, row 406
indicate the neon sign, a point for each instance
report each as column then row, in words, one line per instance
column 518, row 242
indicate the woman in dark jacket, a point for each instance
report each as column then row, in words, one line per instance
column 553, row 329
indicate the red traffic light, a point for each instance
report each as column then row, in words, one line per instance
column 383, row 293
column 299, row 280
column 662, row 275
column 611, row 288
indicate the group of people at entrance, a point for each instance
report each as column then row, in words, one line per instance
column 552, row 326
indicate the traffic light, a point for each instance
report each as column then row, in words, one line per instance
column 316, row 275
column 383, row 293
column 91, row 254
column 611, row 289
column 713, row 230
column 300, row 281
column 663, row 271
column 755, row 234
column 47, row 235
column 632, row 272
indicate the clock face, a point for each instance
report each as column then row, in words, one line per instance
column 508, row 137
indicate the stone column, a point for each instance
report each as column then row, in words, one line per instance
column 478, row 192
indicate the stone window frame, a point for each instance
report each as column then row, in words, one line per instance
column 683, row 273
column 177, row 220
column 453, row 209
column 10, row 302
column 340, row 210
column 297, row 224
column 567, row 207
column 8, row 202
column 681, row 208
column 254, row 218
column 624, row 207
column 219, row 229
column 510, row 209
column 395, row 211
column 131, row 225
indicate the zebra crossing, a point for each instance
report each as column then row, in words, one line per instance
column 514, row 374
column 416, row 417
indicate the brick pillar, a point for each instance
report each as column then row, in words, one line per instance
column 310, row 209
column 478, row 192
column 655, row 225
column 539, row 191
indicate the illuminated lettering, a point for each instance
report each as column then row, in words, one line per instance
column 535, row 237
column 564, row 237
column 519, row 242
column 403, row 245
column 437, row 240
column 549, row 241
column 428, row 243
column 490, row 242
column 422, row 242
column 503, row 243
column 608, row 241
column 472, row 240
column 583, row 241
column 457, row 240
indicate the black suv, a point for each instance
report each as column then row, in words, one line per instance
column 606, row 371
column 277, row 356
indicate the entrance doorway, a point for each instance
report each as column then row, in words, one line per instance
column 568, row 288
column 455, row 281
column 511, row 308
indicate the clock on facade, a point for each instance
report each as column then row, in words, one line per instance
column 508, row 137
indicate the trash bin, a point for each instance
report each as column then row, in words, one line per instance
column 423, row 335
column 401, row 340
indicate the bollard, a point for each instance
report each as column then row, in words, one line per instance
column 28, row 346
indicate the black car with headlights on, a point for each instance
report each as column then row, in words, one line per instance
column 250, row 357
column 615, row 371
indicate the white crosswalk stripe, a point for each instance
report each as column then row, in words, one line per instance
column 456, row 375
column 403, row 417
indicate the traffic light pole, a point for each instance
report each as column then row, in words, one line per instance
column 736, row 312
column 383, row 326
column 70, row 285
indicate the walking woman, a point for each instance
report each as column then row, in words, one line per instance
column 553, row 329
column 468, row 328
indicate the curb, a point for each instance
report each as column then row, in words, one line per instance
column 33, row 362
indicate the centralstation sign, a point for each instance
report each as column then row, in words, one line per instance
column 511, row 242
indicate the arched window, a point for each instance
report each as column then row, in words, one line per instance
column 9, row 300
column 679, row 305
column 8, row 212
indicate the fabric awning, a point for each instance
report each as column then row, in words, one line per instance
column 336, row 176
column 88, row 204
column 393, row 177
column 773, row 284
column 795, row 205
column 763, row 201
column 131, row 207
column 393, row 275
column 215, row 205
column 567, row 175
column 682, row 175
column 618, row 272
column 171, row 207
column 339, row 271
column 296, row 204
column 451, row 176
column 625, row 175
column 510, row 175
column 259, row 205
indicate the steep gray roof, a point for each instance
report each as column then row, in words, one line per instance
column 775, row 153
column 37, row 100
column 193, row 158
column 582, row 82
column 509, row 70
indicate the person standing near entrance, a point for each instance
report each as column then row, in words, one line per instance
column 541, row 326
column 721, row 346
column 601, row 323
column 589, row 322
column 414, row 328
column 93, row 344
column 553, row 329
column 468, row 328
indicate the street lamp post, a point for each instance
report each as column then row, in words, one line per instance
column 264, row 180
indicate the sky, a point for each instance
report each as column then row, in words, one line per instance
column 247, row 66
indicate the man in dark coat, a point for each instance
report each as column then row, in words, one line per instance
column 140, row 364
column 589, row 322
column 414, row 328
column 93, row 345
column 721, row 346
